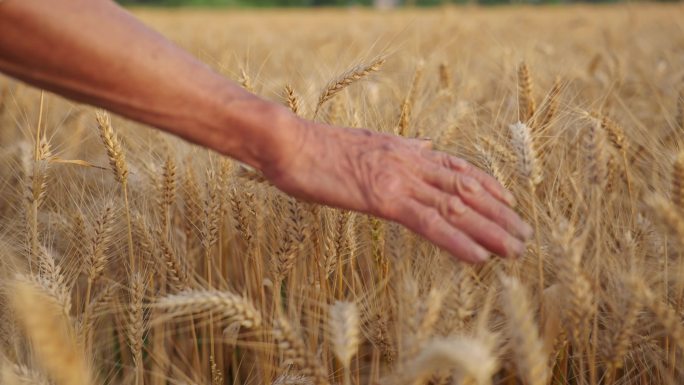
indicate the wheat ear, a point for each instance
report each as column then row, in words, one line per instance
column 344, row 334
column 346, row 79
column 13, row 374
column 531, row 173
column 296, row 233
column 445, row 78
column 51, row 333
column 528, row 347
column 291, row 99
column 177, row 269
column 294, row 351
column 619, row 141
column 580, row 305
column 246, row 81
column 168, row 191
column 135, row 328
column 523, row 146
column 117, row 161
column 36, row 183
column 472, row 359
column 526, row 104
column 216, row 375
column 680, row 111
column 192, row 204
column 407, row 104
column 666, row 315
column 622, row 338
column 550, row 104
column 668, row 215
column 51, row 279
column 115, row 153
column 97, row 258
column 230, row 306
column 677, row 189
column 594, row 150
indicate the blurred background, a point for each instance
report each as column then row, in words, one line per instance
column 343, row 3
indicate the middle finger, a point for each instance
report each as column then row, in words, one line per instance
column 474, row 195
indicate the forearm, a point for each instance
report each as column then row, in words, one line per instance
column 95, row 52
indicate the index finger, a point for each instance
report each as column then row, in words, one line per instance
column 462, row 166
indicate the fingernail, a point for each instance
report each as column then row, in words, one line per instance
column 471, row 184
column 515, row 248
column 426, row 144
column 482, row 255
column 510, row 199
column 527, row 231
column 456, row 206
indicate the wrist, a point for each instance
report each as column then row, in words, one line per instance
column 259, row 133
column 289, row 144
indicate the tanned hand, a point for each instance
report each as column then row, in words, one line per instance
column 124, row 66
column 443, row 198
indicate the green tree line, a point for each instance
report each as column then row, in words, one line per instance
column 321, row 3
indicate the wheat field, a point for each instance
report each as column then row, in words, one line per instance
column 128, row 256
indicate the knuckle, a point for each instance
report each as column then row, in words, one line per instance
column 455, row 207
column 429, row 221
column 458, row 164
column 501, row 213
column 387, row 146
column 443, row 204
column 502, row 244
column 391, row 184
column 457, row 184
column 470, row 185
column 466, row 186
column 384, row 191
column 454, row 183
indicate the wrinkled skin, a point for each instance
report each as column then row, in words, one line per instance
column 443, row 198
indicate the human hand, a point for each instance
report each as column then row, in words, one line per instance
column 441, row 197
